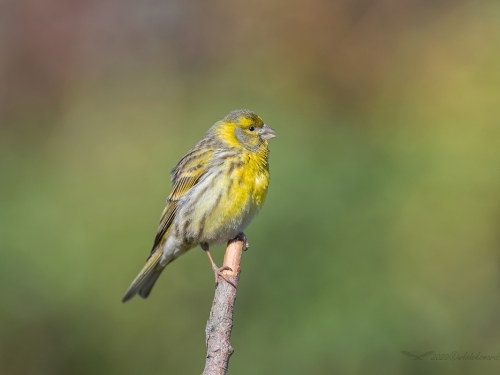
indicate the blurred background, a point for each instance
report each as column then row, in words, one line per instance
column 380, row 233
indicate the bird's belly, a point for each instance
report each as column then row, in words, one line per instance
column 217, row 210
column 230, row 217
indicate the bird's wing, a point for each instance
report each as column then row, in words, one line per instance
column 166, row 219
column 185, row 175
column 408, row 354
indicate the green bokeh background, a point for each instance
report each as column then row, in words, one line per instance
column 380, row 232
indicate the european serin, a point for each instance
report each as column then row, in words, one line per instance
column 218, row 188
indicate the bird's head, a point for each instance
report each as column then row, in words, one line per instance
column 243, row 128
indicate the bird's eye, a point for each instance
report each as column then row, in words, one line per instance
column 251, row 128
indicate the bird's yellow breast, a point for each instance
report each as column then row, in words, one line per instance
column 238, row 197
column 249, row 182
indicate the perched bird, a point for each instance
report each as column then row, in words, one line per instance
column 217, row 189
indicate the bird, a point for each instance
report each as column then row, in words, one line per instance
column 218, row 187
column 417, row 357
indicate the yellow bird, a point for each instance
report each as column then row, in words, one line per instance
column 218, row 188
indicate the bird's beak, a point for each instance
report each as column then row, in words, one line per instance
column 267, row 133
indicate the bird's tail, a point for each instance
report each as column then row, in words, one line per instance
column 145, row 280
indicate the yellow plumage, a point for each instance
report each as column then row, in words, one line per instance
column 218, row 188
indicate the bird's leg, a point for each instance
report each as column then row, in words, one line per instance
column 217, row 270
column 241, row 237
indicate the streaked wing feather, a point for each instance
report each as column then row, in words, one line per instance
column 185, row 175
column 165, row 221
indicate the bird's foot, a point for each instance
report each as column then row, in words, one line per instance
column 243, row 238
column 218, row 273
column 217, row 270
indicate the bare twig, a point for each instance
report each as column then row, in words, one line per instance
column 220, row 323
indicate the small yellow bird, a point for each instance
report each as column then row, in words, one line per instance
column 218, row 188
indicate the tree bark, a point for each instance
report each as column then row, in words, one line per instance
column 220, row 323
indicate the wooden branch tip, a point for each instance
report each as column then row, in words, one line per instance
column 220, row 323
column 232, row 257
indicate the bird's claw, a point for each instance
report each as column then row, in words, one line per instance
column 246, row 245
column 243, row 238
column 218, row 273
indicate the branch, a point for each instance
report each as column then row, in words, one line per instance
column 220, row 323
